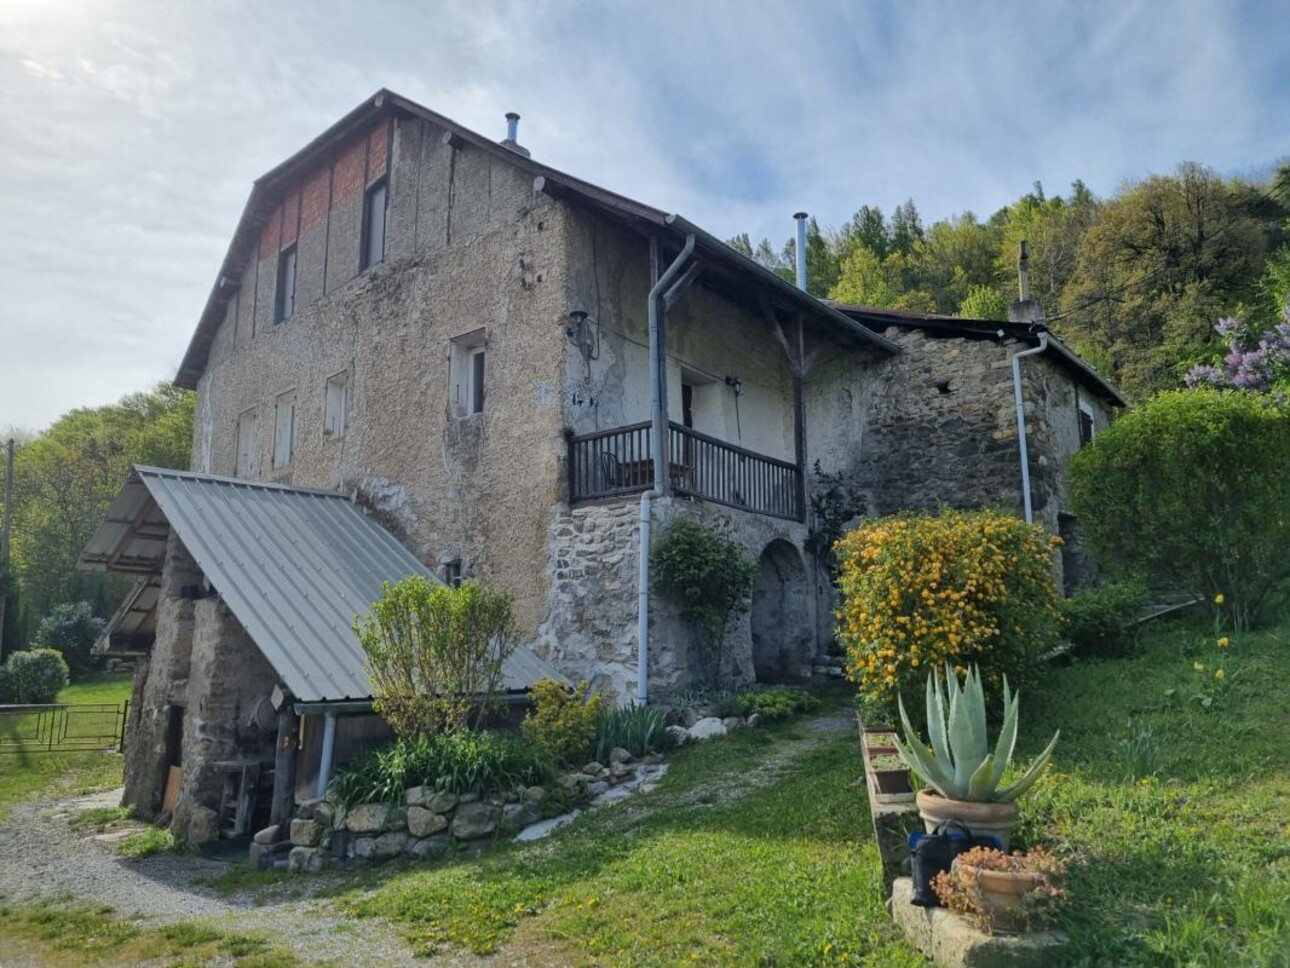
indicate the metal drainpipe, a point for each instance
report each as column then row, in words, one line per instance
column 1021, row 422
column 659, row 433
column 328, row 753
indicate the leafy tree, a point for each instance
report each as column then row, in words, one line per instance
column 709, row 578
column 863, row 280
column 984, row 302
column 906, row 228
column 435, row 653
column 66, row 477
column 1190, row 487
column 71, row 629
column 32, row 676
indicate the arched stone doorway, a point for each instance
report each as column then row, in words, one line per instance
column 781, row 629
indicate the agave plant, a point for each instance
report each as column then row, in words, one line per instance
column 959, row 764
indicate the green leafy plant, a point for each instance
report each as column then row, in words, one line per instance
column 33, row 676
column 777, row 703
column 560, row 721
column 435, row 653
column 71, row 628
column 146, row 843
column 1191, row 488
column 835, row 500
column 1140, row 751
column 467, row 761
column 1096, row 619
column 640, row 730
column 959, row 764
column 708, row 576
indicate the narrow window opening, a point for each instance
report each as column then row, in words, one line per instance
column 336, row 405
column 452, row 572
column 244, row 465
column 374, row 207
column 284, row 431
column 466, row 373
column 1086, row 426
column 285, row 304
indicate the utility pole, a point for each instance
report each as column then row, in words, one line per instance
column 4, row 535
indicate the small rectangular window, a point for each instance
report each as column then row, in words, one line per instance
column 286, row 296
column 245, row 463
column 452, row 573
column 284, row 430
column 374, row 205
column 1086, row 428
column 466, row 374
column 335, row 404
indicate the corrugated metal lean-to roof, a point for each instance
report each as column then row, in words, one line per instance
column 293, row 565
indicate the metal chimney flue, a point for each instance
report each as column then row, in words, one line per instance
column 801, row 218
column 513, row 133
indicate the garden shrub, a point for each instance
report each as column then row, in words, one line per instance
column 560, row 722
column 33, row 676
column 1095, row 619
column 467, row 761
column 1191, row 488
column 640, row 730
column 433, row 651
column 777, row 703
column 71, row 628
column 709, row 577
column 960, row 587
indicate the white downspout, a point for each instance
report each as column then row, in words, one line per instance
column 328, row 753
column 1021, row 423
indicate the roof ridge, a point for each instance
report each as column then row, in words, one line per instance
column 148, row 470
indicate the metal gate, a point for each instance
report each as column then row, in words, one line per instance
column 63, row 727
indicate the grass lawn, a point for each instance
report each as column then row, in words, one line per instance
column 24, row 774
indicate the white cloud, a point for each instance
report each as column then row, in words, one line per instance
column 130, row 132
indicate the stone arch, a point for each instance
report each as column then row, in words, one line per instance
column 781, row 626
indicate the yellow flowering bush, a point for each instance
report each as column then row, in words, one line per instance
column 959, row 587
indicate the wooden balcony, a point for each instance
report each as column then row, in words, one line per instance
column 619, row 462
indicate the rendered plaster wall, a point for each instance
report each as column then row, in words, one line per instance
column 220, row 722
column 591, row 627
column 160, row 683
column 469, row 247
column 708, row 338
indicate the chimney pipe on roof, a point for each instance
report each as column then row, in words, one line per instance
column 801, row 218
column 512, row 126
column 1023, row 271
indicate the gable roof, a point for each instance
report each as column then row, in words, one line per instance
column 266, row 191
column 293, row 565
column 950, row 327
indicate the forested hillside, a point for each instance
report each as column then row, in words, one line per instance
column 65, row 478
column 1136, row 282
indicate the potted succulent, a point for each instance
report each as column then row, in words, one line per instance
column 1001, row 892
column 964, row 776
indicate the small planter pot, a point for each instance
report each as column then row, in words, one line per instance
column 982, row 819
column 1001, row 894
column 892, row 782
column 886, row 740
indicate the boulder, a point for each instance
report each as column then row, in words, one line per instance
column 324, row 814
column 679, row 735
column 368, row 818
column 619, row 772
column 534, row 794
column 305, row 809
column 306, row 833
column 468, row 798
column 306, row 860
column 517, row 816
column 707, row 728
column 592, row 769
column 423, row 822
column 429, row 846
column 571, row 780
column 733, row 722
column 397, row 819
column 440, row 802
column 269, row 835
column 389, row 844
column 262, row 857
column 619, row 755
column 362, row 848
column 597, row 788
column 416, row 796
column 474, row 820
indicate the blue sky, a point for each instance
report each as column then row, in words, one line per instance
column 130, row 131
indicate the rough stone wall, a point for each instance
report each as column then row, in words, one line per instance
column 469, row 246
column 219, row 723
column 591, row 626
column 162, row 680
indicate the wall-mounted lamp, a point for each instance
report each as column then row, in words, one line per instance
column 581, row 332
column 735, row 384
column 573, row 328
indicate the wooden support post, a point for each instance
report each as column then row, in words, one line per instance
column 799, row 422
column 284, row 766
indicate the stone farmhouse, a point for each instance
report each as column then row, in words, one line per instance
column 427, row 352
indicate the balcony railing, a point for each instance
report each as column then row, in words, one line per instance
column 610, row 463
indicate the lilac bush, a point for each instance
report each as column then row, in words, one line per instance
column 1253, row 365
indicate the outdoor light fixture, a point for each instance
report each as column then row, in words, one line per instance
column 573, row 329
column 735, row 384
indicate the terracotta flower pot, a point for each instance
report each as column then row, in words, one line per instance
column 1001, row 893
column 982, row 819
